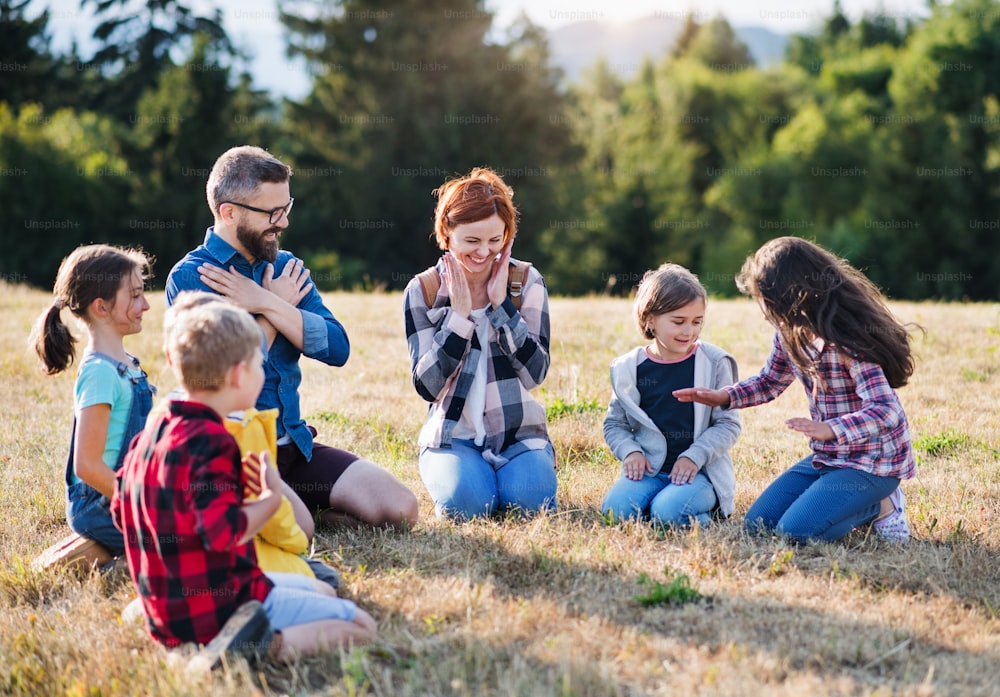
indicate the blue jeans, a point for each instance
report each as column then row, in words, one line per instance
column 463, row 485
column 293, row 600
column 654, row 497
column 88, row 511
column 805, row 503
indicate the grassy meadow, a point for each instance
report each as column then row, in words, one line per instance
column 562, row 604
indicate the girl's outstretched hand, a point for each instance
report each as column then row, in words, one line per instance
column 817, row 430
column 703, row 395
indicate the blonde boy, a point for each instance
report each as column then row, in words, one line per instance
column 179, row 501
column 285, row 538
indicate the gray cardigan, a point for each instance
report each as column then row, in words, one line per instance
column 628, row 429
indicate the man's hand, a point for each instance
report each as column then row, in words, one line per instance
column 292, row 285
column 242, row 291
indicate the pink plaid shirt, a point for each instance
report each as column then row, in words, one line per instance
column 865, row 414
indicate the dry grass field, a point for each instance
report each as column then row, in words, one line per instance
column 549, row 606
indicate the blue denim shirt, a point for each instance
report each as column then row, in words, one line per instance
column 324, row 338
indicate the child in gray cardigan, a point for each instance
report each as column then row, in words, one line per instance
column 675, row 456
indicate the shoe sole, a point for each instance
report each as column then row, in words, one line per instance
column 246, row 633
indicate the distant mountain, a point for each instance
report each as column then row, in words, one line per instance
column 766, row 47
column 575, row 47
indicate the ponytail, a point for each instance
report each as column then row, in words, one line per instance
column 54, row 344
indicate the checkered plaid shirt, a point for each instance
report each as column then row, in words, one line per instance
column 444, row 354
column 177, row 501
column 865, row 414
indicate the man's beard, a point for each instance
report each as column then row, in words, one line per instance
column 256, row 245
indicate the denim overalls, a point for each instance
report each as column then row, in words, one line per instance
column 87, row 510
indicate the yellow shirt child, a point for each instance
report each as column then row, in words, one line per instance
column 281, row 542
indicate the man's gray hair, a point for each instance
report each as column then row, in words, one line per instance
column 238, row 173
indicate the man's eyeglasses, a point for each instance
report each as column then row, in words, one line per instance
column 273, row 215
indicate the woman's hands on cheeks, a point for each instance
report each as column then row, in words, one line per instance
column 458, row 286
column 496, row 287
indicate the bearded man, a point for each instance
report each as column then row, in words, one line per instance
column 249, row 195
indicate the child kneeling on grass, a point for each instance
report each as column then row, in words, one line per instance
column 188, row 529
column 835, row 334
column 676, row 468
column 284, row 540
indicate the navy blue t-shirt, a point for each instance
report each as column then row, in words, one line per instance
column 656, row 383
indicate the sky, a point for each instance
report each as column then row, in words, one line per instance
column 254, row 26
column 783, row 16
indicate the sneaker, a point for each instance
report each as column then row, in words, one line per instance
column 133, row 612
column 246, row 633
column 894, row 527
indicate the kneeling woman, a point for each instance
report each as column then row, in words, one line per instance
column 477, row 327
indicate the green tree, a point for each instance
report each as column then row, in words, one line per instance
column 64, row 184
column 835, row 26
column 172, row 143
column 28, row 66
column 576, row 244
column 946, row 91
column 137, row 44
column 687, row 36
column 405, row 95
column 716, row 45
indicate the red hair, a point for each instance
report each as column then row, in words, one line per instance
column 477, row 196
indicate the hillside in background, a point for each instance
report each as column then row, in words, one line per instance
column 577, row 46
column 574, row 47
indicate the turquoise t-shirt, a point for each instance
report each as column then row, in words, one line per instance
column 98, row 382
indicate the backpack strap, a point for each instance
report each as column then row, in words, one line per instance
column 516, row 275
column 430, row 282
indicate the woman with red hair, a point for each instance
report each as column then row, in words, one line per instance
column 479, row 344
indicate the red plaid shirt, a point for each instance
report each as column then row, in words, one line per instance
column 177, row 501
column 864, row 412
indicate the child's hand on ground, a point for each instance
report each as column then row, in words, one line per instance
column 636, row 466
column 817, row 430
column 703, row 395
column 683, row 472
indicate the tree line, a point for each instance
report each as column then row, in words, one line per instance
column 879, row 139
